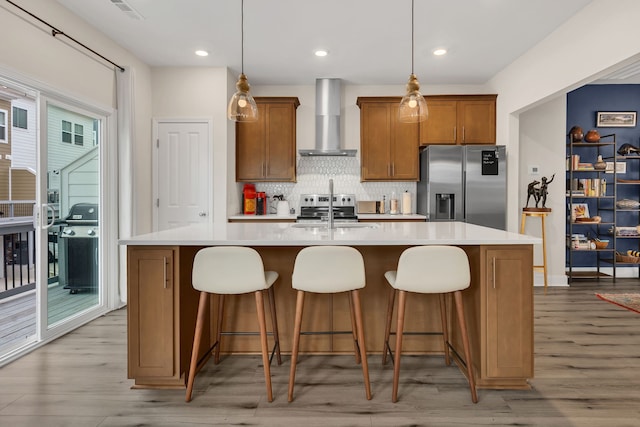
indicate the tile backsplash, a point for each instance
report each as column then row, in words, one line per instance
column 313, row 174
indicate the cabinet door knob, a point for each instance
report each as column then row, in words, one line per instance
column 202, row 213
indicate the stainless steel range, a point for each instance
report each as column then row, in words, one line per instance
column 315, row 208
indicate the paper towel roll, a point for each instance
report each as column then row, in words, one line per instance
column 406, row 203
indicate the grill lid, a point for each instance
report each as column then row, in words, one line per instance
column 83, row 213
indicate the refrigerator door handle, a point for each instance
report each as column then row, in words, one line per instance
column 464, row 194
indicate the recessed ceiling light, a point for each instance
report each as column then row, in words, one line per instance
column 440, row 51
column 321, row 52
column 202, row 53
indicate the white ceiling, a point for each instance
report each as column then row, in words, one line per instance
column 369, row 41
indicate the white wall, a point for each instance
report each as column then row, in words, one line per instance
column 200, row 93
column 539, row 147
column 576, row 53
column 58, row 66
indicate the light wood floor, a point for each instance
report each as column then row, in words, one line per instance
column 587, row 357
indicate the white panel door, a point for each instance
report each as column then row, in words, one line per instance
column 183, row 174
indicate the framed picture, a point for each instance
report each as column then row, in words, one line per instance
column 616, row 119
column 579, row 210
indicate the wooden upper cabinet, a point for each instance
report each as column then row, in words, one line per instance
column 388, row 148
column 266, row 149
column 459, row 120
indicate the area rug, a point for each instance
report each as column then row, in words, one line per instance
column 628, row 301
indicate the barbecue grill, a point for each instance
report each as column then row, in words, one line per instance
column 78, row 242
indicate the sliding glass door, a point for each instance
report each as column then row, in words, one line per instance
column 53, row 181
column 70, row 212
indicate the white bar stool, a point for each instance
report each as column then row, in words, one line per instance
column 231, row 270
column 330, row 269
column 429, row 270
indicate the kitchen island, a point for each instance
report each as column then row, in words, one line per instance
column 162, row 304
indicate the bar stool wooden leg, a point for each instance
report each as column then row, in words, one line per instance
column 445, row 328
column 263, row 342
column 387, row 330
column 274, row 323
column 197, row 338
column 399, row 331
column 465, row 342
column 354, row 330
column 216, row 353
column 361, row 343
column 296, row 342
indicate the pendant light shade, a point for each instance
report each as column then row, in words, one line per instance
column 242, row 106
column 413, row 107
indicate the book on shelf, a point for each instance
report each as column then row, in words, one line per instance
column 589, row 187
column 578, row 241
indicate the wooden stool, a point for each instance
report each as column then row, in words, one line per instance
column 330, row 270
column 436, row 269
column 231, row 270
column 542, row 213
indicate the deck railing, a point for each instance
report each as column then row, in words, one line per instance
column 17, row 247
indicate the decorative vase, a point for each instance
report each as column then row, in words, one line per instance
column 600, row 164
column 592, row 136
column 576, row 134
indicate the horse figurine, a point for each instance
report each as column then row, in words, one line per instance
column 533, row 191
column 626, row 149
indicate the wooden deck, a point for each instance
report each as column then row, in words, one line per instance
column 18, row 313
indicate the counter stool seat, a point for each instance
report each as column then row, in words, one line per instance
column 232, row 270
column 438, row 270
column 330, row 269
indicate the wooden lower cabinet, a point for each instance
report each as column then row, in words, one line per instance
column 499, row 310
column 500, row 315
column 161, row 314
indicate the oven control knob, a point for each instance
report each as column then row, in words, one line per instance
column 69, row 232
column 91, row 232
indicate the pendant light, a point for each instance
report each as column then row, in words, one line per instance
column 413, row 107
column 242, row 106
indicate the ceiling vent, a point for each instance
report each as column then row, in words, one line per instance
column 127, row 9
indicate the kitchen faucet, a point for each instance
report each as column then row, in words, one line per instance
column 330, row 216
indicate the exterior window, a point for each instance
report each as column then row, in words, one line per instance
column 78, row 135
column 19, row 118
column 3, row 126
column 66, row 131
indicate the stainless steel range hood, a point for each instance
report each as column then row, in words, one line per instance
column 328, row 121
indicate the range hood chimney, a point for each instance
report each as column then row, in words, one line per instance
column 328, row 121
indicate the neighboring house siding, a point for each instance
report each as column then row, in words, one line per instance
column 24, row 184
column 23, row 141
column 5, row 150
column 81, row 181
column 61, row 154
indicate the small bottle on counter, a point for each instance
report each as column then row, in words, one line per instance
column 260, row 203
column 383, row 204
column 393, row 206
column 406, row 203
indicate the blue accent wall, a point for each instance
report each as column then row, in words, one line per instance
column 582, row 107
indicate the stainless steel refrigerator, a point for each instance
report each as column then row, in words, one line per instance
column 464, row 183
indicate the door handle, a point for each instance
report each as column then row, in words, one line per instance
column 202, row 213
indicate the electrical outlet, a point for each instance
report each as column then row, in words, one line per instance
column 534, row 170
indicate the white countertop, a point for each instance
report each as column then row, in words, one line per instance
column 382, row 217
column 270, row 217
column 363, row 234
column 389, row 217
